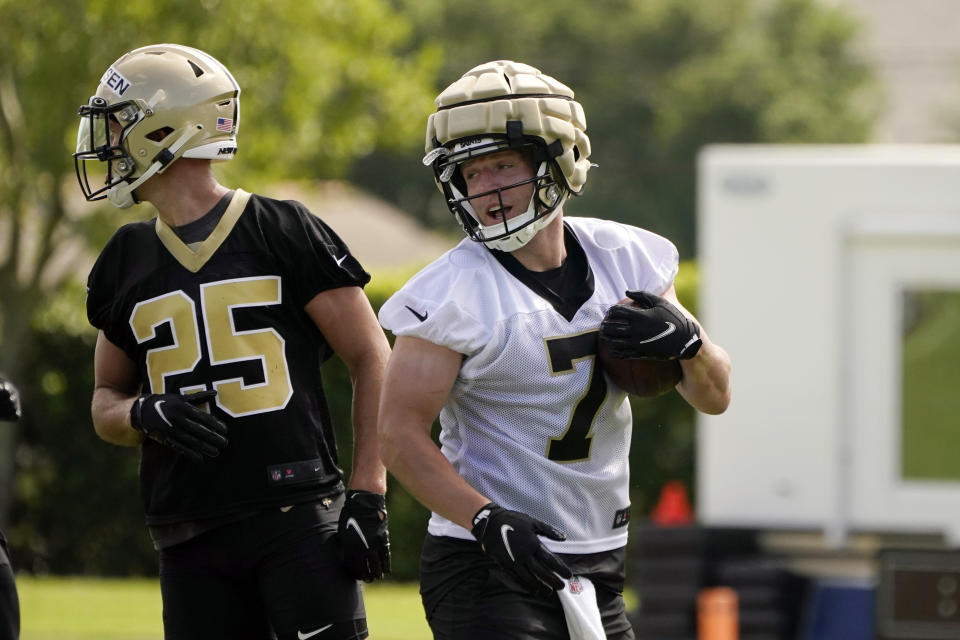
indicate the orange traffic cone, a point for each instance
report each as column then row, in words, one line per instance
column 673, row 508
column 717, row 614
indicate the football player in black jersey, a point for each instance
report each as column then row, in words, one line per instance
column 530, row 488
column 9, row 601
column 214, row 319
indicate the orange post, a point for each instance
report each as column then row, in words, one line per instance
column 717, row 614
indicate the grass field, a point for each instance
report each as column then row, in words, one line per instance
column 129, row 609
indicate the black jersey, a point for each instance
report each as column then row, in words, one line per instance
column 229, row 315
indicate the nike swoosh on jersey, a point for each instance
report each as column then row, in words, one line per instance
column 504, row 530
column 353, row 523
column 160, row 411
column 340, row 260
column 303, row 636
column 420, row 317
column 670, row 329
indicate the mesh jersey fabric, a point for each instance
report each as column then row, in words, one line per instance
column 531, row 422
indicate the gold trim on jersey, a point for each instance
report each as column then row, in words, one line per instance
column 192, row 258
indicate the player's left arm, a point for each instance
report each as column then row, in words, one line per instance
column 345, row 317
column 706, row 376
column 348, row 322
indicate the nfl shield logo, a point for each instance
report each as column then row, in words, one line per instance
column 275, row 474
column 575, row 586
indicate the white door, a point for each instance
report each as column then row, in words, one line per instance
column 902, row 412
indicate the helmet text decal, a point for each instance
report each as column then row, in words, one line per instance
column 115, row 81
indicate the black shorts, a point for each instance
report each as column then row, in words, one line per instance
column 273, row 573
column 467, row 596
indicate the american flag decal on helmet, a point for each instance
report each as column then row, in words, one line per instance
column 225, row 124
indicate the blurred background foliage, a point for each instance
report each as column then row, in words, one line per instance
column 657, row 79
column 341, row 90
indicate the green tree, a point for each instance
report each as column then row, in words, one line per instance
column 324, row 82
column 658, row 79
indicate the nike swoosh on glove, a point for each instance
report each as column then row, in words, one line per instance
column 175, row 422
column 363, row 534
column 651, row 328
column 511, row 539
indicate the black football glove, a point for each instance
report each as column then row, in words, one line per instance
column 9, row 401
column 656, row 330
column 511, row 539
column 174, row 421
column 364, row 539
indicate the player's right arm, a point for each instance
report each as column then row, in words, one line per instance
column 122, row 417
column 114, row 392
column 418, row 379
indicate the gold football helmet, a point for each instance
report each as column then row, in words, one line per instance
column 509, row 105
column 154, row 105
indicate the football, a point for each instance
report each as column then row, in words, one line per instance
column 639, row 377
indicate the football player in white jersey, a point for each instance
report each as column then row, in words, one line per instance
column 529, row 489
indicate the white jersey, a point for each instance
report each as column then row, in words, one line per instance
column 530, row 422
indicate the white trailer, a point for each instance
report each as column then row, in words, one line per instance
column 811, row 262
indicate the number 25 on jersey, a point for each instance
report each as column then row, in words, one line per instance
column 225, row 344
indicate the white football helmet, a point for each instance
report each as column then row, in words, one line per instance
column 154, row 105
column 508, row 105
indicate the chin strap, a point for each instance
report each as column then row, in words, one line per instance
column 121, row 195
column 520, row 238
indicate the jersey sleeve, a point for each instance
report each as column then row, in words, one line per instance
column 99, row 296
column 441, row 304
column 314, row 258
column 637, row 259
column 655, row 260
column 105, row 288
